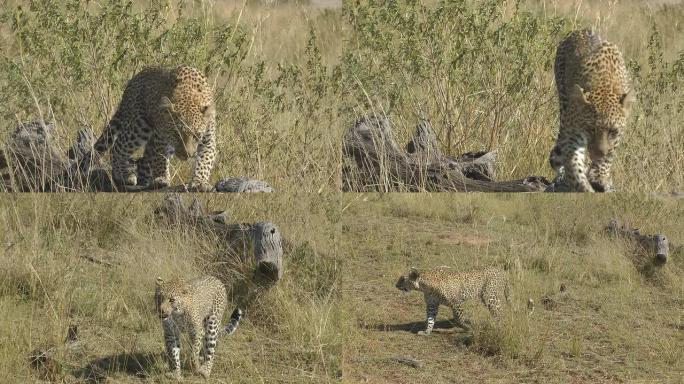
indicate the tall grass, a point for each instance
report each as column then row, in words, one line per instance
column 481, row 71
column 286, row 91
column 91, row 262
column 68, row 63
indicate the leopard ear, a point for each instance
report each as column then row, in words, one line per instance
column 166, row 104
column 577, row 94
column 413, row 274
column 159, row 282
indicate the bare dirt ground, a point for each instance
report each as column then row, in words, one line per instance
column 611, row 324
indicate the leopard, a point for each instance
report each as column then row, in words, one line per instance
column 443, row 286
column 595, row 97
column 194, row 306
column 168, row 112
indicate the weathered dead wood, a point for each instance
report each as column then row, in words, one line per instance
column 474, row 165
column 30, row 160
column 262, row 238
column 377, row 164
column 424, row 144
column 656, row 247
column 173, row 210
column 242, row 184
column 33, row 162
column 268, row 250
column 32, row 157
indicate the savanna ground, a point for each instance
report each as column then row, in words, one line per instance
column 614, row 322
column 290, row 77
column 291, row 331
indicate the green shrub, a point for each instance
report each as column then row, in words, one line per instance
column 479, row 72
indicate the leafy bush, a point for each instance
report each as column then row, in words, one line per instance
column 480, row 72
column 70, row 53
column 69, row 62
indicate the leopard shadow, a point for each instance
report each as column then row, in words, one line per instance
column 139, row 364
column 412, row 327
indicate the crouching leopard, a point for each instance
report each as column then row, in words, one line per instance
column 442, row 286
column 166, row 111
column 196, row 307
column 595, row 96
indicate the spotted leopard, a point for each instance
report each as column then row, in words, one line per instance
column 442, row 286
column 166, row 111
column 595, row 95
column 196, row 307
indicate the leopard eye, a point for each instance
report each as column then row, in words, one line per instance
column 172, row 300
column 613, row 132
column 204, row 109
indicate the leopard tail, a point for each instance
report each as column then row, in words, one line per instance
column 233, row 323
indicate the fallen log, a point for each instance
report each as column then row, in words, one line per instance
column 268, row 250
column 374, row 162
column 263, row 238
column 655, row 247
column 474, row 165
column 32, row 158
column 33, row 162
column 242, row 184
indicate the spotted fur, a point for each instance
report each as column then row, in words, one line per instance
column 195, row 307
column 595, row 95
column 166, row 111
column 442, row 286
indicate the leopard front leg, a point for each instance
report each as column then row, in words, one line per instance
column 556, row 160
column 575, row 174
column 432, row 307
column 599, row 172
column 127, row 142
column 143, row 167
column 145, row 163
column 172, row 343
column 122, row 152
column 157, row 158
column 211, row 326
column 204, row 161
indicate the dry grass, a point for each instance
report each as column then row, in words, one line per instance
column 612, row 324
column 290, row 332
column 413, row 61
column 290, row 78
column 267, row 128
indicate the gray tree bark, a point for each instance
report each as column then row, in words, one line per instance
column 376, row 163
column 262, row 238
column 31, row 161
column 656, row 247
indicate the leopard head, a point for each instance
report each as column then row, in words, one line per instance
column 408, row 282
column 188, row 111
column 603, row 115
column 169, row 297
